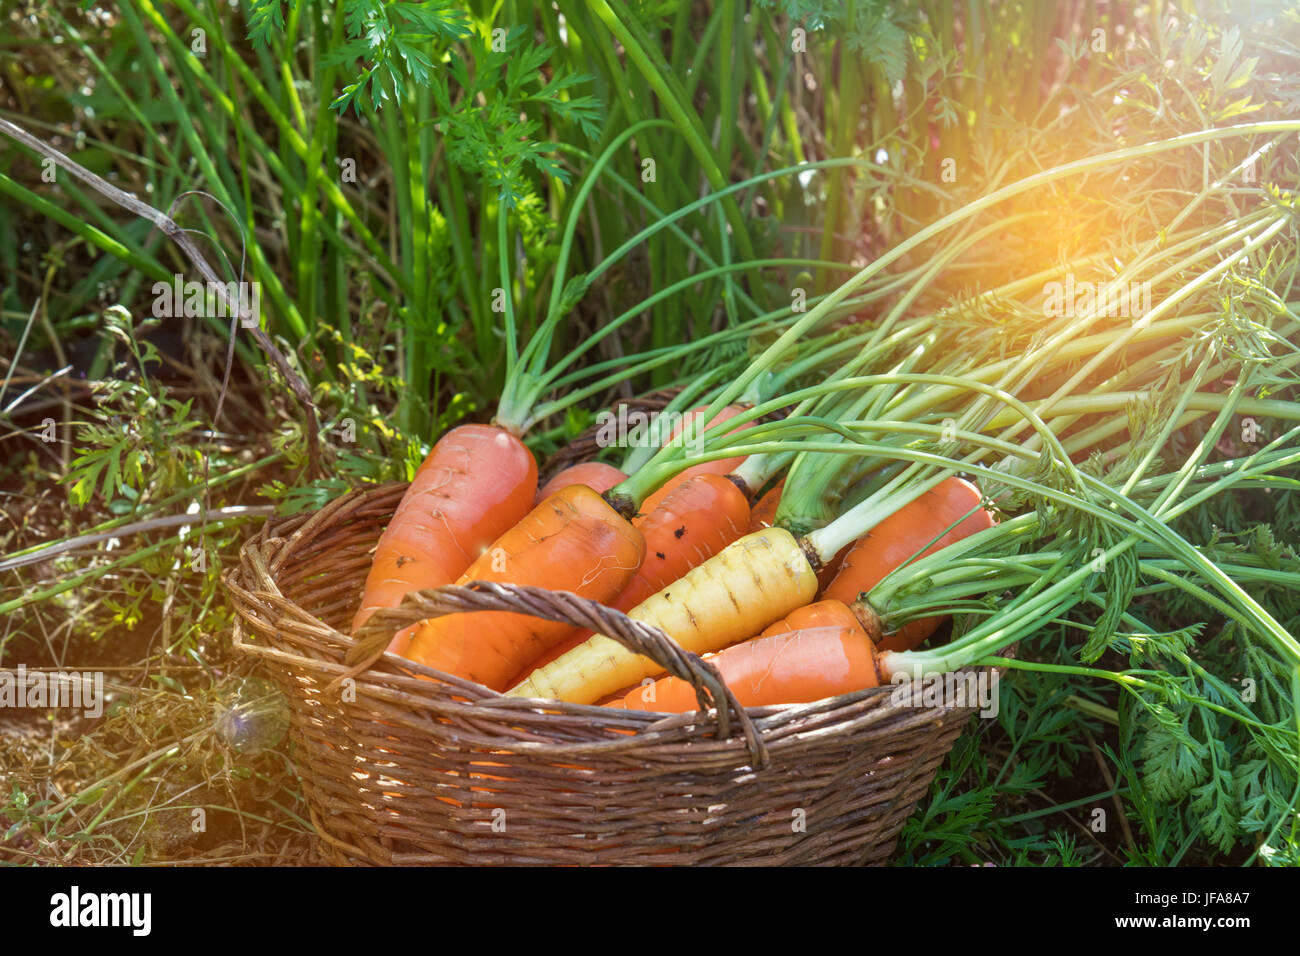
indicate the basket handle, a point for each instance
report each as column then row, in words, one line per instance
column 568, row 608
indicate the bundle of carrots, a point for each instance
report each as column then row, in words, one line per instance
column 691, row 557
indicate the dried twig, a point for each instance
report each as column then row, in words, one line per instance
column 138, row 527
column 1110, row 783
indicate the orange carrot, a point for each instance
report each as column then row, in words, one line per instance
column 476, row 483
column 723, row 466
column 573, row 542
column 764, row 512
column 819, row 614
column 898, row 539
column 695, row 521
column 830, row 569
column 596, row 475
column 817, row 651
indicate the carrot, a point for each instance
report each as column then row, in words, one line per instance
column 817, row 651
column 573, row 542
column 826, row 574
column 475, row 484
column 723, row 466
column 596, row 475
column 695, row 521
column 735, row 594
column 763, row 514
column 818, row 614
column 744, row 588
column 899, row 539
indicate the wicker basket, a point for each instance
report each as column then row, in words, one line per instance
column 401, row 764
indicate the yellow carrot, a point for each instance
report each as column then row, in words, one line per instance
column 731, row 597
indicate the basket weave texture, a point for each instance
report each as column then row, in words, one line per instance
column 401, row 764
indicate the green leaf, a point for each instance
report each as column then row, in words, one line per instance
column 417, row 63
column 882, row 42
column 1173, row 764
column 1194, row 45
column 358, row 14
column 1229, row 50
column 1213, row 803
column 90, row 796
column 810, row 14
column 438, row 17
column 347, row 54
column 265, row 17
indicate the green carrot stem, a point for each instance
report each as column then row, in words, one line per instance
column 507, row 290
